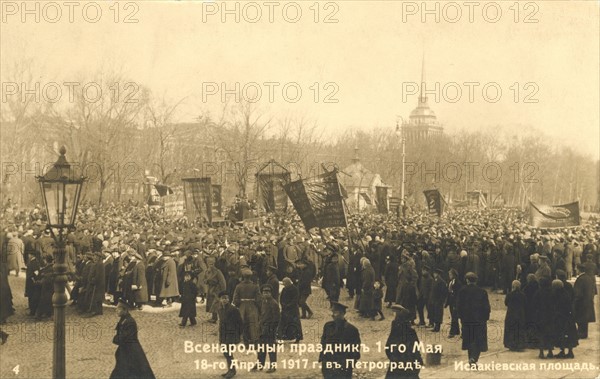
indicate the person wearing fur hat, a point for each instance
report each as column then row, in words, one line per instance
column 290, row 327
column 189, row 292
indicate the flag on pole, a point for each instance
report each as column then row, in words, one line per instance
column 318, row 201
column 554, row 216
column 435, row 202
column 198, row 198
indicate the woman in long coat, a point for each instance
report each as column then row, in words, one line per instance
column 402, row 334
column 367, row 275
column 530, row 289
column 514, row 322
column 566, row 330
column 544, row 304
column 131, row 361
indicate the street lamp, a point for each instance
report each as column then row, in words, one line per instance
column 400, row 134
column 61, row 191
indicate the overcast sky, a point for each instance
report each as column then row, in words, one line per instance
column 371, row 54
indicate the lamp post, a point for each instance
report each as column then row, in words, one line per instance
column 61, row 191
column 403, row 142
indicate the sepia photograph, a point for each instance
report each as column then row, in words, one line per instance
column 350, row 189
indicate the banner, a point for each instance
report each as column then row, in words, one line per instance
column 554, row 216
column 198, row 198
column 318, row 201
column 271, row 194
column 435, row 202
column 326, row 200
column 217, row 201
column 381, row 196
column 174, row 203
column 297, row 194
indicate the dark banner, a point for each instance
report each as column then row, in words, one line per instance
column 271, row 194
column 435, row 202
column 554, row 216
column 217, row 201
column 198, row 198
column 381, row 195
column 318, row 201
column 326, row 199
column 297, row 194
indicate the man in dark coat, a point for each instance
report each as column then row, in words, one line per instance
column 189, row 292
column 425, row 285
column 230, row 329
column 437, row 300
column 473, row 308
column 367, row 280
column 131, row 361
column 290, row 327
column 338, row 334
column 354, row 269
column 331, row 278
column 514, row 322
column 402, row 334
column 82, row 284
column 139, row 285
column 33, row 284
column 268, row 323
column 454, row 286
column 307, row 272
column 96, row 285
column 583, row 307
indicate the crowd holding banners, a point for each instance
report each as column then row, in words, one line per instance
column 132, row 253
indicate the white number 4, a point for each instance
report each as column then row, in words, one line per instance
column 16, row 369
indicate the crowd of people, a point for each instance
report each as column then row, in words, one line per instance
column 416, row 265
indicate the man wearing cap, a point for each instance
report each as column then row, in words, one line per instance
column 473, row 308
column 230, row 330
column 402, row 335
column 338, row 336
column 131, row 361
column 268, row 323
column 246, row 297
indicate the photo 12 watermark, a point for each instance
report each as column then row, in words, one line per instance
column 53, row 12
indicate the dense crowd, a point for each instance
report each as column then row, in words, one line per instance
column 417, row 265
